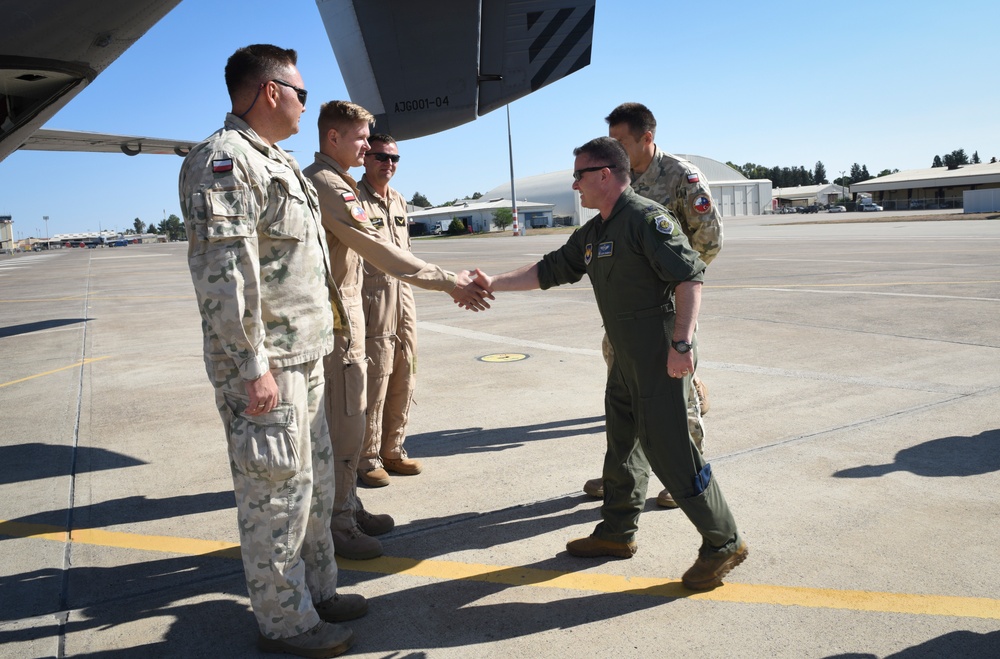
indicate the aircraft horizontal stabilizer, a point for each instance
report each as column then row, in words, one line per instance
column 71, row 140
column 423, row 66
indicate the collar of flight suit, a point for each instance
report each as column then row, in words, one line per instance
column 326, row 160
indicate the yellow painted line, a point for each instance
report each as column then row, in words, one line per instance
column 736, row 593
column 861, row 285
column 64, row 368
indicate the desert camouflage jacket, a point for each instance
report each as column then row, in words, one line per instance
column 681, row 187
column 257, row 253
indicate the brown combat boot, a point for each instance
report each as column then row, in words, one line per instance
column 377, row 477
column 592, row 546
column 355, row 544
column 374, row 524
column 404, row 466
column 665, row 500
column 711, row 566
column 594, row 487
column 323, row 640
column 341, row 608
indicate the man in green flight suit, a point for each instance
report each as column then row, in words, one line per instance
column 647, row 281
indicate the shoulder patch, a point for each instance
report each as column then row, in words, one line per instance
column 692, row 177
column 359, row 213
column 222, row 165
column 701, row 204
column 348, row 197
column 664, row 225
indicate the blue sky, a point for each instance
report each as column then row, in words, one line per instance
column 883, row 84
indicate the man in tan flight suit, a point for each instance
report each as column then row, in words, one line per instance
column 391, row 326
column 680, row 187
column 343, row 136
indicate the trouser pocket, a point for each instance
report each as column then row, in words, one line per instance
column 264, row 446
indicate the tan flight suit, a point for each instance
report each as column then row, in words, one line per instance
column 390, row 336
column 351, row 237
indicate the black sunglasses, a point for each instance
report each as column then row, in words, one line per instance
column 382, row 157
column 299, row 92
column 578, row 174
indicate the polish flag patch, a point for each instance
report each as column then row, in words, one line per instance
column 348, row 197
column 222, row 166
column 693, row 178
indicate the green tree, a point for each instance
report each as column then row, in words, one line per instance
column 956, row 158
column 975, row 158
column 139, row 225
column 819, row 173
column 420, row 200
column 172, row 228
column 503, row 218
column 937, row 162
column 476, row 195
column 457, row 227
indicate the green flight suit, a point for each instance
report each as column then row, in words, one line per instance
column 635, row 259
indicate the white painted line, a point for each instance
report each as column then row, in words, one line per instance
column 883, row 262
column 856, row 292
column 505, row 340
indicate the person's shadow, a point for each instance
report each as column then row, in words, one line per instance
column 947, row 456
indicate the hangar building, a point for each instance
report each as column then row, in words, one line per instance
column 936, row 187
column 734, row 194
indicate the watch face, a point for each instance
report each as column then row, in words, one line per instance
column 682, row 346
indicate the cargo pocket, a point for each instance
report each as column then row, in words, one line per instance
column 265, row 446
column 380, row 351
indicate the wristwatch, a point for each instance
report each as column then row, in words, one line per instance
column 681, row 346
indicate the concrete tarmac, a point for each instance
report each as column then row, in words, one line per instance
column 854, row 428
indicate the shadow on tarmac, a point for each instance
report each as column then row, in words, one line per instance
column 937, row 458
column 37, row 461
column 130, row 510
column 27, row 328
column 953, row 644
column 440, row 614
column 476, row 440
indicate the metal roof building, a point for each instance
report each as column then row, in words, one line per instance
column 936, row 187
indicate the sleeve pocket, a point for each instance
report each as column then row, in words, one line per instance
column 227, row 214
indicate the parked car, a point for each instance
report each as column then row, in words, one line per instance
column 869, row 206
column 812, row 208
column 836, row 209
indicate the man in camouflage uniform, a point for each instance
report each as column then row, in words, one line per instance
column 261, row 275
column 647, row 282
column 343, row 134
column 679, row 186
column 390, row 326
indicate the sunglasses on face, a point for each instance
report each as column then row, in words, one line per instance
column 299, row 92
column 382, row 157
column 578, row 174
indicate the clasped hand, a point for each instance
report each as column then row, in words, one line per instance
column 469, row 294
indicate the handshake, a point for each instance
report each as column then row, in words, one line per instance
column 472, row 290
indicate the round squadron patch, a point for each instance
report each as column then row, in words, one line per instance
column 702, row 204
column 664, row 225
column 359, row 213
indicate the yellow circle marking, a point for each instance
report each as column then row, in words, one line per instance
column 503, row 357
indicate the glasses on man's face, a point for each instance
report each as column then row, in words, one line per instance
column 299, row 92
column 382, row 157
column 578, row 174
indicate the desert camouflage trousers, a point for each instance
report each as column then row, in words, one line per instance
column 282, row 466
